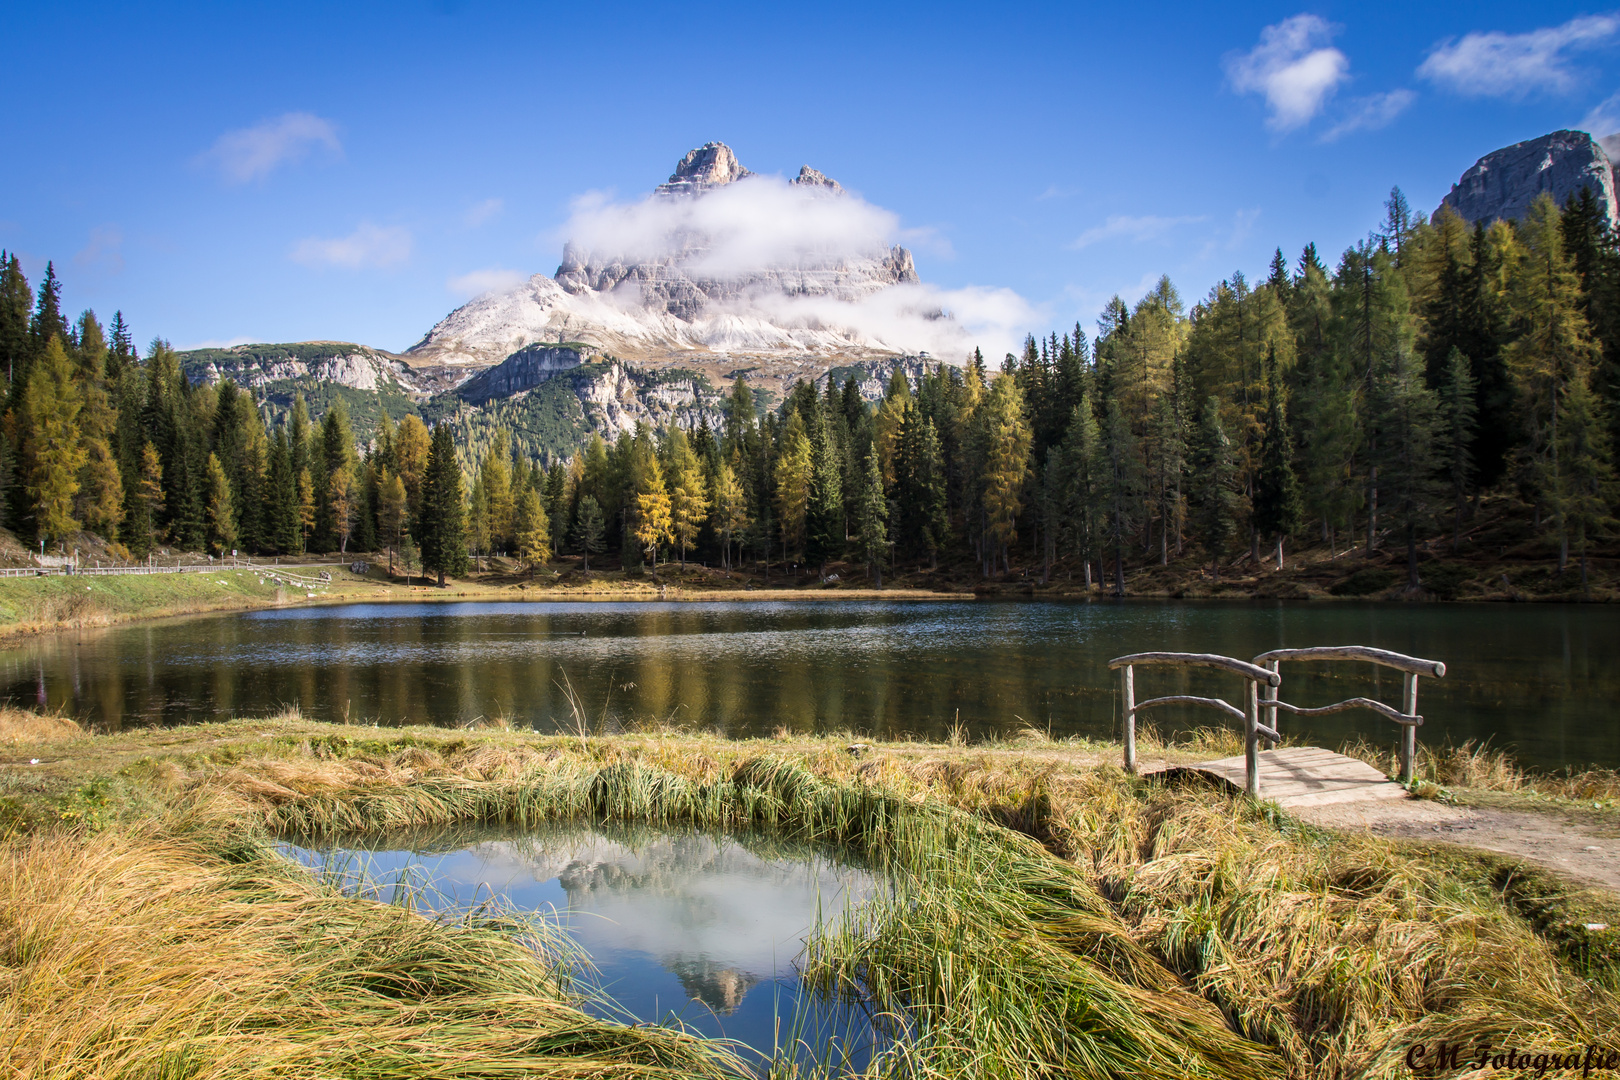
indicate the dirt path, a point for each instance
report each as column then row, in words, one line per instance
column 1587, row 853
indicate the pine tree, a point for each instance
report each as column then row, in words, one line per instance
column 824, row 516
column 794, row 466
column 1407, row 451
column 147, row 506
column 1278, row 505
column 391, row 512
column 1458, row 413
column 556, row 503
column 1216, row 500
column 589, row 529
column 1120, row 487
column 1587, row 474
column 444, row 539
column 872, row 513
column 15, row 300
column 1553, row 352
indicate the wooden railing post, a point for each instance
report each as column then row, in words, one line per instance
column 1272, row 690
column 1251, row 741
column 1128, row 680
column 1409, row 731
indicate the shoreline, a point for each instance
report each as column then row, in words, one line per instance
column 356, row 590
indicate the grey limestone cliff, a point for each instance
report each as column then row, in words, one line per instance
column 1506, row 183
column 523, row 370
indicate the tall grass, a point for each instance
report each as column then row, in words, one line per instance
column 21, row 728
column 145, row 957
column 1044, row 921
column 1482, row 767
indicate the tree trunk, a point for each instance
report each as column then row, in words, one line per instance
column 1372, row 510
column 1412, row 583
column 1279, row 551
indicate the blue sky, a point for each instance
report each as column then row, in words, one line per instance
column 230, row 173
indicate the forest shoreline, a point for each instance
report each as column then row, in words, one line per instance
column 56, row 607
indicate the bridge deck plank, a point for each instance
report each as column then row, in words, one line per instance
column 1306, row 776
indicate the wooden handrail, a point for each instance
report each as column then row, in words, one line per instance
column 1350, row 703
column 1214, row 660
column 1412, row 665
column 1184, row 699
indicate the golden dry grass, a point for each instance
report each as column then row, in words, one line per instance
column 142, row 956
column 19, row 727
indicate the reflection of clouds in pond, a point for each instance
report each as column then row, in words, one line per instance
column 719, row 914
column 712, row 912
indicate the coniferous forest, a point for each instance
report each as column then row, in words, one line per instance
column 1377, row 403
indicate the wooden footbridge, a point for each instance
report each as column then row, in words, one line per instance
column 1295, row 776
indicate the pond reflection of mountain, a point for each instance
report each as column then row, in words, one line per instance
column 721, row 913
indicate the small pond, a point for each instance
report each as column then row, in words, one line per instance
column 697, row 928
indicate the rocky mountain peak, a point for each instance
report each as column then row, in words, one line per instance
column 1505, row 183
column 809, row 177
column 711, row 165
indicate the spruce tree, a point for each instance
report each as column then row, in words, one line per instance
column 872, row 513
column 589, row 530
column 444, row 538
column 1458, row 418
column 1217, row 503
column 1278, row 505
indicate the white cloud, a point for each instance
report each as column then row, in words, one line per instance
column 764, row 222
column 1371, row 113
column 1294, row 67
column 253, row 153
column 481, row 212
column 478, row 282
column 733, row 230
column 1603, row 124
column 1495, row 64
column 1124, row 226
column 368, row 245
column 104, row 251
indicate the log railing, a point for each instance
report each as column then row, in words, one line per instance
column 1252, row 674
column 1411, row 668
column 1265, row 671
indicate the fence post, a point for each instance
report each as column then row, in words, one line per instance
column 1128, row 679
column 1409, row 731
column 1251, row 741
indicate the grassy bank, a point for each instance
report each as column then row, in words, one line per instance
column 1052, row 916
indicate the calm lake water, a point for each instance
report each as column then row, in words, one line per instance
column 699, row 928
column 1543, row 679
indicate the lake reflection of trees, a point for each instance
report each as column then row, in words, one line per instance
column 1537, row 676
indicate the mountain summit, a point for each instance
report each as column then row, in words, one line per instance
column 717, row 261
column 1506, row 182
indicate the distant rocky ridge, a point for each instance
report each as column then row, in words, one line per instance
column 1506, row 183
column 668, row 306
